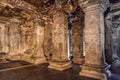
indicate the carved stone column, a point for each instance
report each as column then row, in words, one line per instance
column 108, row 50
column 15, row 41
column 114, row 29
column 4, row 49
column 39, row 56
column 77, row 43
column 95, row 65
column 118, row 40
column 114, row 43
column 112, row 35
column 48, row 41
column 59, row 42
column 3, row 38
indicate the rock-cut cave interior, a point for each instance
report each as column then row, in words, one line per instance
column 59, row 39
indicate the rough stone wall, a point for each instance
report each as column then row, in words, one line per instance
column 22, row 40
column 19, row 34
column 32, row 31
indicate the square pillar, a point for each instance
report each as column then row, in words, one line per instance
column 40, row 53
column 77, row 43
column 59, row 59
column 112, row 36
column 114, row 16
column 95, row 65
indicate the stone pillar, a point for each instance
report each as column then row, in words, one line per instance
column 77, row 43
column 118, row 40
column 114, row 29
column 108, row 50
column 59, row 59
column 39, row 56
column 3, row 38
column 112, row 24
column 114, row 43
column 95, row 65
column 15, row 41
column 4, row 49
column 48, row 41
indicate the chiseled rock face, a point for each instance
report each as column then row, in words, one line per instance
column 22, row 35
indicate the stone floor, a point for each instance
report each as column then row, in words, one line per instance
column 115, row 73
column 13, row 64
column 41, row 72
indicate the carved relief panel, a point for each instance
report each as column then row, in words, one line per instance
column 15, row 38
column 4, row 38
column 40, row 40
column 29, row 37
column 59, row 37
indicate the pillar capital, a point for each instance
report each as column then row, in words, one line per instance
column 91, row 5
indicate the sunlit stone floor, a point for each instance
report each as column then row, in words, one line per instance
column 41, row 72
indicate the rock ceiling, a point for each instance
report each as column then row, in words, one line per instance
column 41, row 2
column 41, row 6
column 44, row 5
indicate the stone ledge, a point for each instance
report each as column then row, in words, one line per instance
column 40, row 60
column 78, row 60
column 93, row 72
column 60, row 65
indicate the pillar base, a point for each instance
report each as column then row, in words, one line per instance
column 78, row 60
column 3, row 60
column 94, row 71
column 40, row 60
column 13, row 57
column 60, row 65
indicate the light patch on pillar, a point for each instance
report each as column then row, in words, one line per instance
column 83, row 43
column 69, row 44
